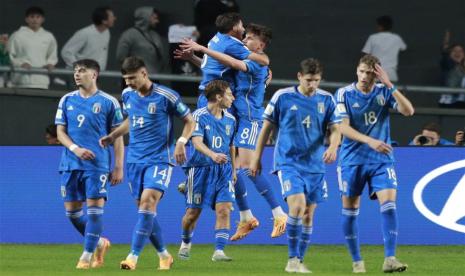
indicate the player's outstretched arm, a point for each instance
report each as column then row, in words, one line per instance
column 404, row 106
column 180, row 149
column 219, row 158
column 353, row 134
column 117, row 132
column 116, row 175
column 330, row 155
column 66, row 141
column 262, row 59
column 255, row 166
column 188, row 56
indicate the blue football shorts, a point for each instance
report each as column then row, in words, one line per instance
column 247, row 133
column 79, row 185
column 148, row 176
column 313, row 185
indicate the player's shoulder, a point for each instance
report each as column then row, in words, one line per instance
column 67, row 96
column 166, row 92
column 198, row 113
column 109, row 98
column 344, row 91
column 324, row 93
column 281, row 93
column 229, row 115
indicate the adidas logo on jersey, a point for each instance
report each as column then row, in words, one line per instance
column 356, row 105
column 70, row 107
column 160, row 182
column 294, row 107
column 128, row 106
column 207, row 127
column 242, row 142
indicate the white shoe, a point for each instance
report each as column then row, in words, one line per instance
column 303, row 269
column 391, row 264
column 293, row 265
column 219, row 256
column 184, row 252
column 358, row 267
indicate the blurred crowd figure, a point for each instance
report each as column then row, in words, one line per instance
column 32, row 47
column 430, row 135
column 91, row 42
column 385, row 45
column 51, row 137
column 142, row 40
column 452, row 72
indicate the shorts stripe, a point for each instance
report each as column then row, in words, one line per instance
column 190, row 185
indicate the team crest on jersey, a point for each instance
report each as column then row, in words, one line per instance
column 380, row 99
column 96, row 108
column 152, row 108
column 321, row 108
column 228, row 129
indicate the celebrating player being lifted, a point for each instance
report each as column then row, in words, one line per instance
column 149, row 108
column 250, row 80
column 83, row 116
column 210, row 170
column 366, row 156
column 302, row 114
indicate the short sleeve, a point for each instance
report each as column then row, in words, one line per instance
column 271, row 112
column 60, row 116
column 125, row 99
column 390, row 99
column 178, row 108
column 341, row 104
column 334, row 116
column 367, row 49
column 252, row 67
column 116, row 115
column 199, row 127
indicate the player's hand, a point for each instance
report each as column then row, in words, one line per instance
column 105, row 141
column 84, row 154
column 219, row 158
column 234, row 176
column 116, row 176
column 329, row 156
column 379, row 146
column 382, row 75
column 255, row 167
column 270, row 77
column 184, row 55
column 180, row 153
column 190, row 45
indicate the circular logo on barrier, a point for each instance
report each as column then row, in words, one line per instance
column 453, row 209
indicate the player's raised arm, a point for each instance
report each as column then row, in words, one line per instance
column 404, row 106
column 261, row 58
column 255, row 162
column 226, row 60
column 188, row 56
column 66, row 141
column 180, row 149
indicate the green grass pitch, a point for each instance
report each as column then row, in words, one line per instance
column 16, row 259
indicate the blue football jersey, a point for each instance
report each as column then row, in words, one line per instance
column 368, row 113
column 218, row 135
column 302, row 122
column 250, row 90
column 151, row 123
column 212, row 69
column 86, row 121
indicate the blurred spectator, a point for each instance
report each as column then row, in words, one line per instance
column 460, row 138
column 452, row 72
column 386, row 46
column 4, row 58
column 92, row 41
column 205, row 14
column 32, row 47
column 51, row 135
column 430, row 135
column 143, row 41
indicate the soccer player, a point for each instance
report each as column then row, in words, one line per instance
column 210, row 170
column 366, row 156
column 250, row 82
column 228, row 41
column 83, row 116
column 149, row 108
column 301, row 114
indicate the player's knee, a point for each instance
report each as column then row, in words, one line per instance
column 191, row 215
column 222, row 213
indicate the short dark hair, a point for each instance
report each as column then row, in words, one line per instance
column 35, row 10
column 51, row 130
column 385, row 22
column 131, row 65
column 311, row 66
column 369, row 60
column 263, row 32
column 432, row 126
column 225, row 22
column 215, row 87
column 87, row 63
column 100, row 14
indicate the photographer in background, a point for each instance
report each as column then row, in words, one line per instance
column 431, row 136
